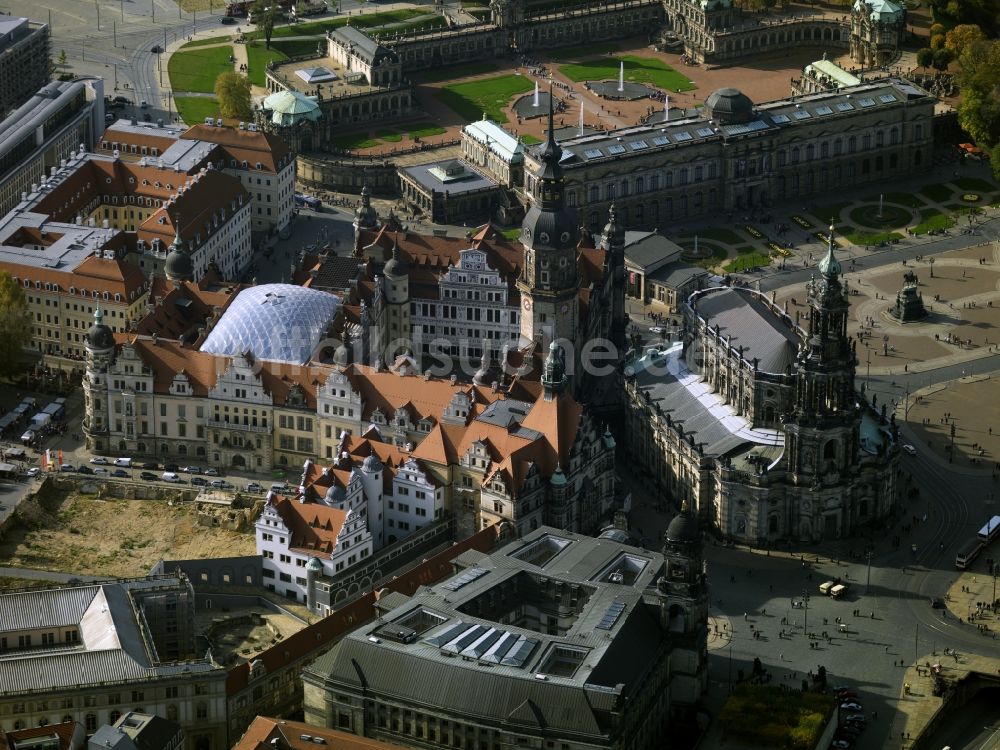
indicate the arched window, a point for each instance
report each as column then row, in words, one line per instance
column 830, row 449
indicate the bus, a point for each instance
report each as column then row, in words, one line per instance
column 989, row 532
column 308, row 201
column 968, row 553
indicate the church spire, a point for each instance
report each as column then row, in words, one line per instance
column 830, row 267
column 552, row 152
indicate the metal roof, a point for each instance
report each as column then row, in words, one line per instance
column 741, row 315
column 693, row 406
column 54, row 608
column 500, row 672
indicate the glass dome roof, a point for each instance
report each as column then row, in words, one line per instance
column 278, row 322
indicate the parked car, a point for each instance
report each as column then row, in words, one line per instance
column 170, row 476
column 658, row 330
column 227, row 20
column 845, row 694
column 851, row 707
column 211, row 472
column 254, row 487
column 856, row 719
column 148, row 476
column 99, row 461
column 150, row 465
column 841, row 744
column 191, row 469
column 910, row 450
column 85, row 470
column 199, row 481
column 98, row 470
column 221, row 484
column 119, row 473
column 170, row 467
column 67, row 467
column 34, row 471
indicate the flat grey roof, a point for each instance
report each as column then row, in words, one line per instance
column 23, row 123
column 675, row 275
column 185, row 155
column 613, row 635
column 473, row 182
column 649, row 250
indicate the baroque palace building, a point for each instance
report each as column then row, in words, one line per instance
column 755, row 423
column 734, row 155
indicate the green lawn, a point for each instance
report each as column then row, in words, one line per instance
column 512, row 234
column 903, row 199
column 424, row 130
column 726, row 236
column 197, row 69
column 352, row 141
column 832, row 211
column 454, row 72
column 297, row 47
column 529, row 140
column 638, row 69
column 859, row 237
column 932, row 219
column 490, row 95
column 258, row 56
column 939, row 192
column 749, row 260
column 975, row 185
column 194, row 109
column 774, row 718
column 389, row 136
column 744, row 249
column 205, row 42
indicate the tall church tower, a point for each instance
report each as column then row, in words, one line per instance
column 683, row 594
column 822, row 431
column 549, row 283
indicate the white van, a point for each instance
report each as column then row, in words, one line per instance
column 824, row 588
column 170, row 476
column 838, row 590
column 125, row 463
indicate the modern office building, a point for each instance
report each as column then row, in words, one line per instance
column 38, row 137
column 25, row 60
column 556, row 638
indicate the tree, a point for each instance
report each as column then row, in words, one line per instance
column 937, row 28
column 943, row 58
column 62, row 57
column 267, row 24
column 979, row 108
column 962, row 36
column 233, row 92
column 925, row 57
column 15, row 324
column 937, row 42
column 995, row 161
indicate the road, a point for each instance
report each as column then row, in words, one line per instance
column 973, row 727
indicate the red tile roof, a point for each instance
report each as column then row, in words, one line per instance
column 314, row 527
column 264, row 730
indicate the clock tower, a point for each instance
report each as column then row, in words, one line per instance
column 549, row 283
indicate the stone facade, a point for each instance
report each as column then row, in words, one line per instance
column 801, row 455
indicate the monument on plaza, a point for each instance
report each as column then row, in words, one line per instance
column 909, row 302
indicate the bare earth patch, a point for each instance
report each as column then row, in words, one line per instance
column 115, row 537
